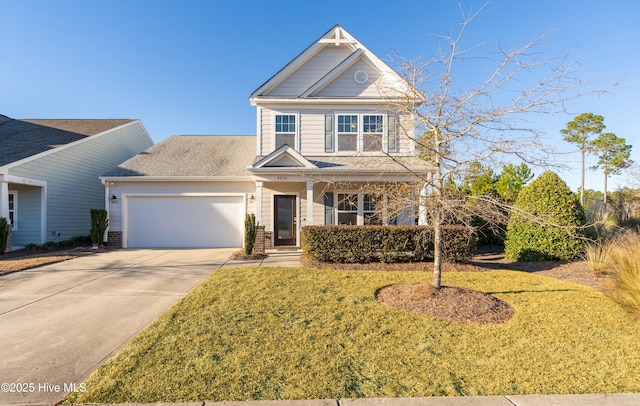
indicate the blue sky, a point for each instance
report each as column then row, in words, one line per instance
column 188, row 67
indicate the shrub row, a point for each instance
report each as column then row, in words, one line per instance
column 363, row 244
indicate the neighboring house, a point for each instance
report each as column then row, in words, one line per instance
column 49, row 172
column 326, row 139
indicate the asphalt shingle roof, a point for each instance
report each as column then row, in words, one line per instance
column 230, row 155
column 21, row 139
column 192, row 155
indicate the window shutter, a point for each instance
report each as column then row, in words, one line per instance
column 328, row 209
column 394, row 139
column 329, row 141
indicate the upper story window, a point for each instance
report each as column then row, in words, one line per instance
column 285, row 130
column 360, row 132
column 347, row 133
column 372, row 132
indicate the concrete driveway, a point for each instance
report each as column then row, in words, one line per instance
column 59, row 322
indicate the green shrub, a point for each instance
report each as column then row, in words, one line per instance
column 546, row 222
column 4, row 234
column 249, row 232
column 364, row 244
column 99, row 224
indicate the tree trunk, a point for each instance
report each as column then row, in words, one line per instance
column 582, row 179
column 437, row 251
column 605, row 187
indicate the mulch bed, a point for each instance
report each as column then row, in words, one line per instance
column 449, row 303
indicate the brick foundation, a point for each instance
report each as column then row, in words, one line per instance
column 267, row 240
column 114, row 239
column 260, row 243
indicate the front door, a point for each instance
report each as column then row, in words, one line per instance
column 285, row 220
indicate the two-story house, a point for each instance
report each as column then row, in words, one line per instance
column 327, row 138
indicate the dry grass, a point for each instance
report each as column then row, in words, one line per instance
column 287, row 333
column 20, row 264
column 598, row 256
column 625, row 261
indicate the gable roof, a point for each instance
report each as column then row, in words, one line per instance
column 335, row 56
column 20, row 139
column 192, row 156
column 284, row 156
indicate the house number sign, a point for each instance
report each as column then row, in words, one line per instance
column 282, row 178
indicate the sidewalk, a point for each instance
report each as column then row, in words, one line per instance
column 619, row 399
column 274, row 258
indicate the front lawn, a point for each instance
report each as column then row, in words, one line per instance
column 283, row 333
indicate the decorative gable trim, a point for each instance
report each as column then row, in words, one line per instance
column 398, row 87
column 314, row 48
column 286, row 156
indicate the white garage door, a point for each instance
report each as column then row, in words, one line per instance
column 184, row 221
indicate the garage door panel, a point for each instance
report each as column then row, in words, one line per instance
column 185, row 221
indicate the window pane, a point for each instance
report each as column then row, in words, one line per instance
column 285, row 139
column 372, row 142
column 347, row 124
column 347, row 202
column 348, row 218
column 285, row 124
column 372, row 124
column 370, row 202
column 347, row 142
column 372, row 219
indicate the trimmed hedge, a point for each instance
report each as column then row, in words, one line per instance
column 364, row 244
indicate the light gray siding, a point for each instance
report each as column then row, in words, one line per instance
column 346, row 86
column 312, row 71
column 121, row 188
column 72, row 176
column 28, row 214
column 311, row 130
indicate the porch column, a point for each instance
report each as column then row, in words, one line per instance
column 309, row 202
column 259, row 202
column 4, row 198
column 422, row 206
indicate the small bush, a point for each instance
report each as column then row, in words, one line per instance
column 4, row 234
column 249, row 232
column 546, row 223
column 99, row 224
column 364, row 244
column 625, row 261
column 73, row 242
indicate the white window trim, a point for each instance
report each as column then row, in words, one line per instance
column 360, row 209
column 360, row 134
column 14, row 210
column 296, row 114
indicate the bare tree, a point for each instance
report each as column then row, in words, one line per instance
column 459, row 126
